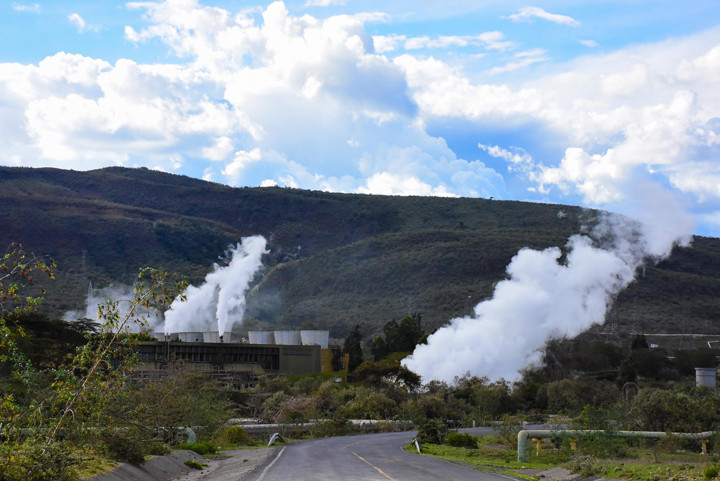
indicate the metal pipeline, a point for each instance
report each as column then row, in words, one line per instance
column 525, row 435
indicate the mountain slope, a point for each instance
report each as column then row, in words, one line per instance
column 335, row 259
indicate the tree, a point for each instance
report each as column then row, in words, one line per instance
column 46, row 431
column 353, row 347
column 385, row 373
column 639, row 342
column 398, row 337
column 687, row 360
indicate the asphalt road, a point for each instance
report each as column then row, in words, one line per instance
column 372, row 457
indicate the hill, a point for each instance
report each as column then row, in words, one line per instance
column 335, row 259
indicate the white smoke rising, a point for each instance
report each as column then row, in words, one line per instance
column 220, row 301
column 121, row 294
column 546, row 296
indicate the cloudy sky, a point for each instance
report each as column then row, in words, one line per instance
column 567, row 101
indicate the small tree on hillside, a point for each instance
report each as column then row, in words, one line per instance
column 398, row 337
column 353, row 347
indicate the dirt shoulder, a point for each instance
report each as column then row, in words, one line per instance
column 230, row 466
column 235, row 465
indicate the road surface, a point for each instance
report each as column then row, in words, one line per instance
column 372, row 457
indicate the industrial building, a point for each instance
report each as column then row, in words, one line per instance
column 240, row 364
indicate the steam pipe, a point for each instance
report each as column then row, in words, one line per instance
column 524, row 435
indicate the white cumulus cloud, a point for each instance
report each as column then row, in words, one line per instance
column 21, row 7
column 80, row 24
column 528, row 13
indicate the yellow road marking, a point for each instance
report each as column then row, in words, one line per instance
column 372, row 465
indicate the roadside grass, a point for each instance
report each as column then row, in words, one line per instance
column 93, row 464
column 641, row 461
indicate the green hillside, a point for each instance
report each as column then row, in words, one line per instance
column 335, row 259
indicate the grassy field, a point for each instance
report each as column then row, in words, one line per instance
column 640, row 461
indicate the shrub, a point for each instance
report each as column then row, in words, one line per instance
column 332, row 427
column 234, row 435
column 711, row 471
column 432, row 431
column 508, row 431
column 191, row 463
column 201, row 448
column 585, row 465
column 604, row 445
column 461, row 440
column 126, row 446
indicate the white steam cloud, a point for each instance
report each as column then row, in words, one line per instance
column 220, row 301
column 121, row 294
column 547, row 296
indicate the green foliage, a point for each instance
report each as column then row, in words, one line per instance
column 570, row 396
column 687, row 360
column 234, row 436
column 191, row 463
column 399, row 337
column 674, row 410
column 562, row 358
column 599, row 418
column 353, row 347
column 648, row 363
column 201, row 448
column 385, row 373
column 432, row 431
column 338, row 259
column 509, row 429
column 49, row 415
column 332, row 427
column 481, row 399
column 639, row 342
column 368, row 404
column 124, row 445
column 586, row 465
column 26, row 461
column 461, row 440
column 181, row 398
column 711, row 471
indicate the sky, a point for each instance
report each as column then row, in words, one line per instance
column 571, row 102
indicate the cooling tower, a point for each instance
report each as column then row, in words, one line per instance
column 190, row 336
column 315, row 338
column 261, row 337
column 287, row 338
column 211, row 336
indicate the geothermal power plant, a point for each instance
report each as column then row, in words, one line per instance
column 240, row 362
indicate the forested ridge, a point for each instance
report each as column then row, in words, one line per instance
column 335, row 259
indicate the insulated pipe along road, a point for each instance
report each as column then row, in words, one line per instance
column 524, row 435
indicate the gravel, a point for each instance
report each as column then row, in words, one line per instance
column 230, row 466
column 235, row 466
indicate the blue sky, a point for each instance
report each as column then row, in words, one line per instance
column 591, row 103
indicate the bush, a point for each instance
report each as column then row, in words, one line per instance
column 126, row 446
column 234, row 435
column 604, row 446
column 432, row 431
column 191, row 463
column 711, row 471
column 585, row 465
column 201, row 448
column 332, row 427
column 508, row 431
column 461, row 440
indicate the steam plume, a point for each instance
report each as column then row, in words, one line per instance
column 118, row 293
column 546, row 296
column 221, row 299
